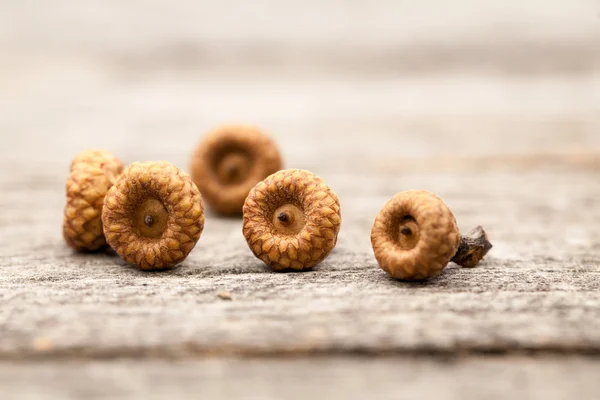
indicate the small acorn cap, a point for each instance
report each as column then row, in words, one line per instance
column 229, row 161
column 291, row 220
column 92, row 173
column 415, row 235
column 153, row 215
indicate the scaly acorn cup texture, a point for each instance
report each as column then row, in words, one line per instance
column 153, row 215
column 228, row 163
column 92, row 173
column 415, row 235
column 291, row 220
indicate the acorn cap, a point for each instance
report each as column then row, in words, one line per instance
column 228, row 163
column 93, row 172
column 291, row 220
column 153, row 215
column 415, row 235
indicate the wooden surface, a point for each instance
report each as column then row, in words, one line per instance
column 495, row 107
column 473, row 378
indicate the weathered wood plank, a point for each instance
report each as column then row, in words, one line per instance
column 552, row 378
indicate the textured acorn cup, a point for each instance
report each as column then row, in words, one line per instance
column 153, row 215
column 415, row 235
column 92, row 173
column 229, row 162
column 291, row 220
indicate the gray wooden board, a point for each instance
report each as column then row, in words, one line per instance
column 537, row 289
column 473, row 378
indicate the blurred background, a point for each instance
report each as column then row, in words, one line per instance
column 332, row 79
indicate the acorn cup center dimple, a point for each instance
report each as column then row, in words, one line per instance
column 151, row 218
column 233, row 167
column 289, row 219
column 408, row 233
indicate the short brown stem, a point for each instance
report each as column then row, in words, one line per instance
column 283, row 217
column 289, row 219
column 473, row 247
column 149, row 220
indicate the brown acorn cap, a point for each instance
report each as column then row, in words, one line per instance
column 291, row 220
column 228, row 163
column 415, row 235
column 93, row 172
column 153, row 215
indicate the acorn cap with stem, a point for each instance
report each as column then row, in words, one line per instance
column 415, row 236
